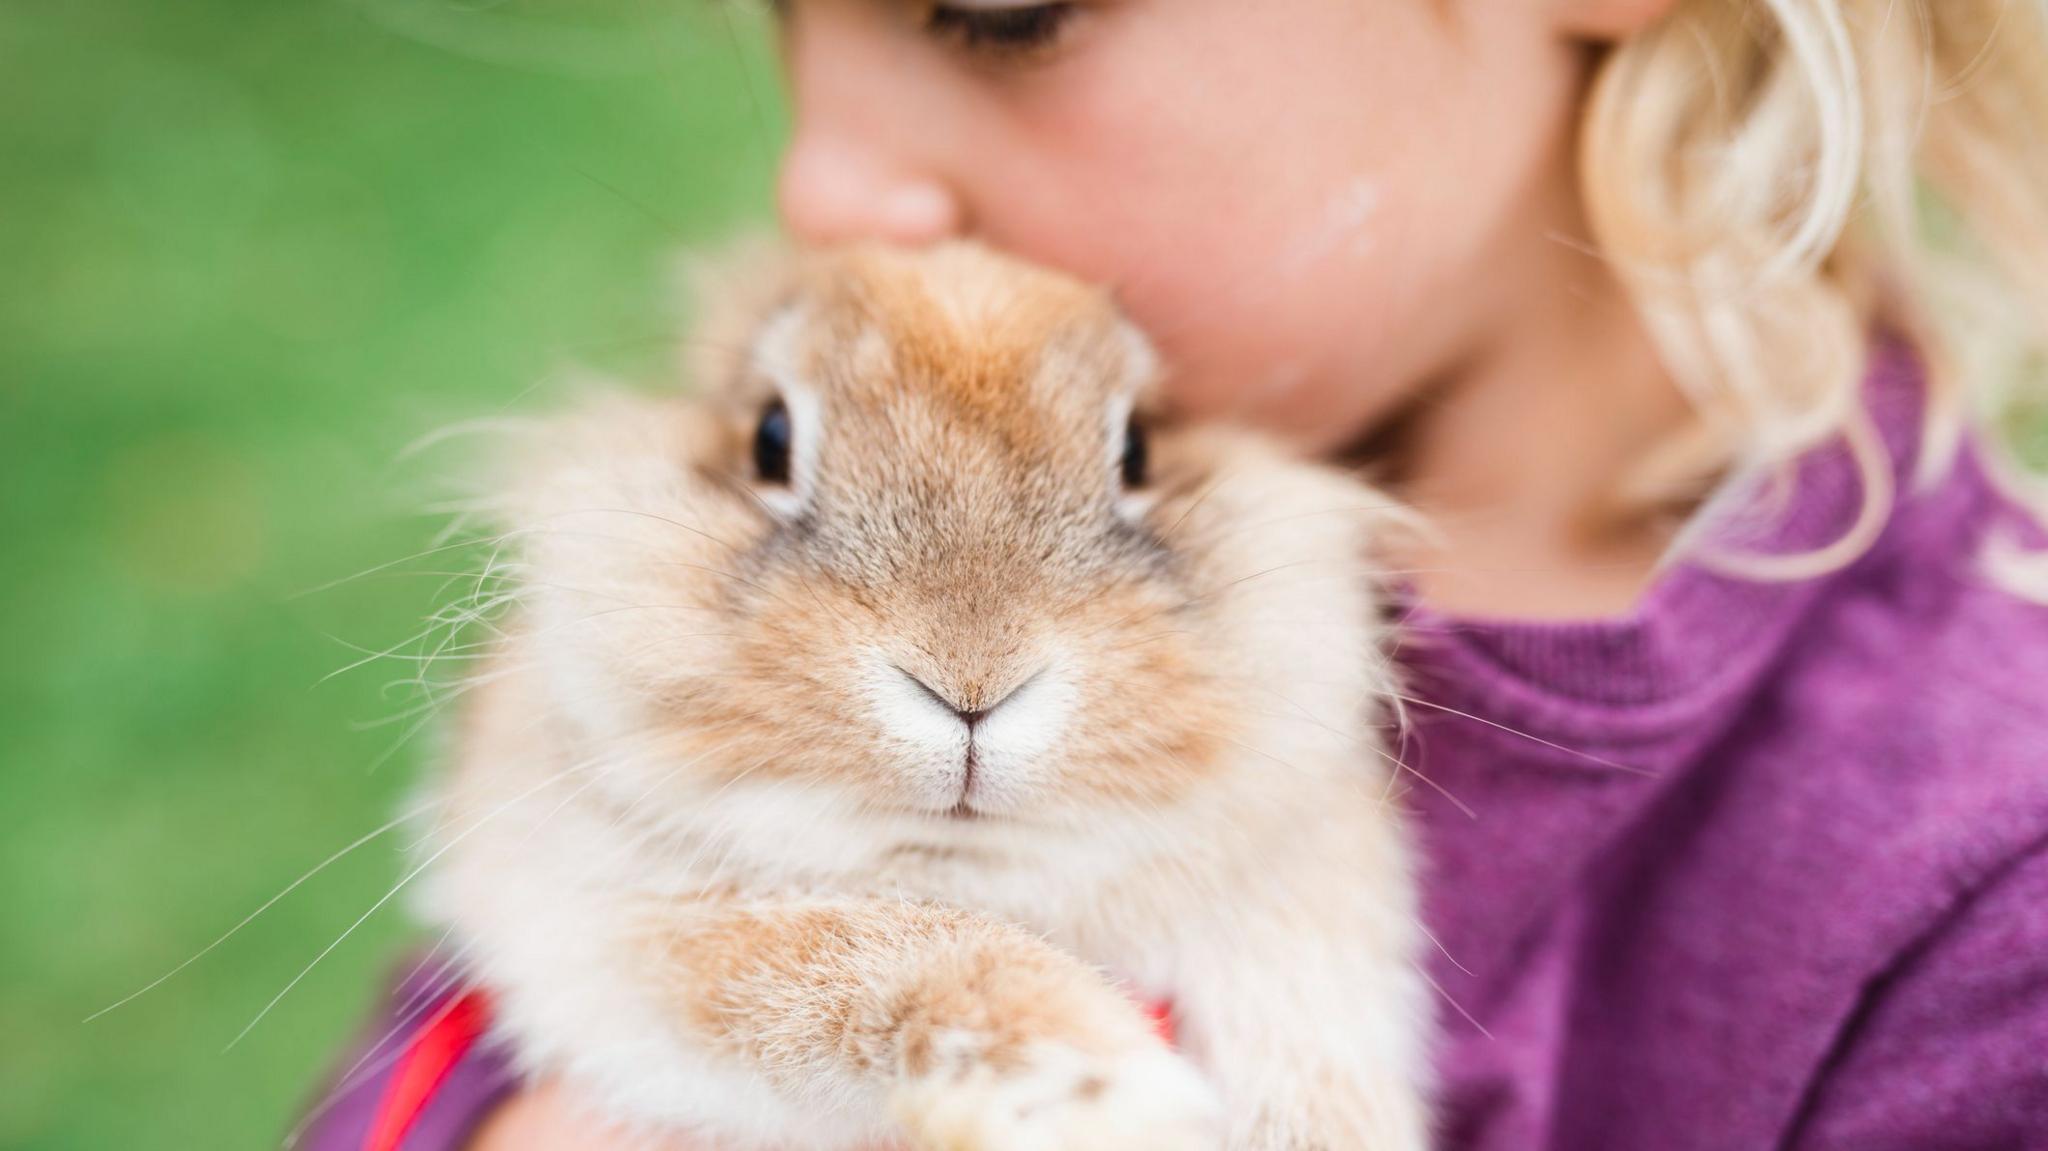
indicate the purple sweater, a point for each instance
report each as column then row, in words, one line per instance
column 1758, row 865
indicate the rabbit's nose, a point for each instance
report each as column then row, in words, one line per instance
column 973, row 694
column 969, row 716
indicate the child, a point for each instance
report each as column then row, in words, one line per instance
column 1670, row 315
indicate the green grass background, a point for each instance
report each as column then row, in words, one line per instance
column 251, row 250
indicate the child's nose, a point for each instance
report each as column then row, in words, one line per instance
column 866, row 159
column 833, row 188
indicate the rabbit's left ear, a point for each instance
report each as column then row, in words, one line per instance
column 1608, row 20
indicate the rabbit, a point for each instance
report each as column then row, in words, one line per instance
column 877, row 731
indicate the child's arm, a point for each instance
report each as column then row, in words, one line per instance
column 1950, row 1052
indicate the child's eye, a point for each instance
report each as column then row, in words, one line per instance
column 995, row 28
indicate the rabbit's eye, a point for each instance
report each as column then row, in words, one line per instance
column 771, row 444
column 1137, row 455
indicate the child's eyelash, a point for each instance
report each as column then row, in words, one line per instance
column 1000, row 30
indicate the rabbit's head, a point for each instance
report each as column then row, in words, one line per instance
column 925, row 554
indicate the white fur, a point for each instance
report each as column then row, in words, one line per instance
column 1150, row 1100
column 1024, row 726
column 1268, row 894
column 1200, row 926
column 933, row 738
column 775, row 357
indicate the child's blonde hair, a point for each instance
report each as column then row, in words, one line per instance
column 1775, row 178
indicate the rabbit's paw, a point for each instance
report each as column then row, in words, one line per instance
column 1057, row 1098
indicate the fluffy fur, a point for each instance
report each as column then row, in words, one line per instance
column 720, row 843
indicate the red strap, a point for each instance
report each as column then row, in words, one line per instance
column 1161, row 1011
column 428, row 1059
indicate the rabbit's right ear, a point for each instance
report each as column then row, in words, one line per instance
column 728, row 294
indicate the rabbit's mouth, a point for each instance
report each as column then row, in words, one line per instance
column 968, row 751
column 963, row 808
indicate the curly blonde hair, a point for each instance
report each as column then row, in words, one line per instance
column 1774, row 179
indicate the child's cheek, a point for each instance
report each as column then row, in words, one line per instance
column 1277, row 297
column 1302, row 335
column 1269, row 310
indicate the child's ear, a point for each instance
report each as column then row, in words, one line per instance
column 1609, row 19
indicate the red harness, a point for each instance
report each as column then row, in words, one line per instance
column 446, row 1037
column 424, row 1067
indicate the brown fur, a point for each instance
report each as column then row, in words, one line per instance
column 706, row 826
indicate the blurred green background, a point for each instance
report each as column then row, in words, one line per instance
column 252, row 250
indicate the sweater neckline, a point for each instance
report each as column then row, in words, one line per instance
column 1697, row 640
